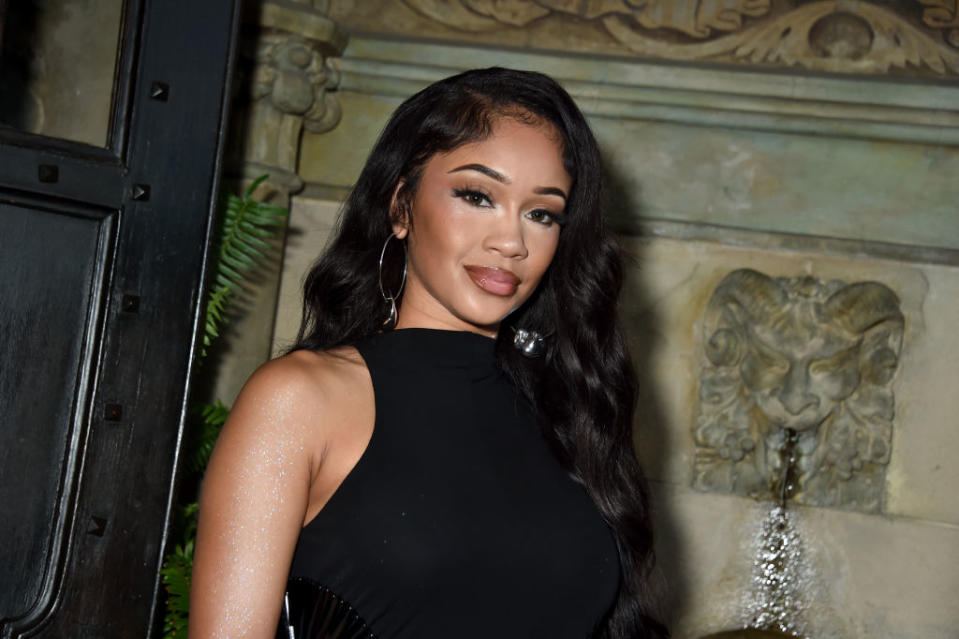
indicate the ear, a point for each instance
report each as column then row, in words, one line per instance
column 400, row 211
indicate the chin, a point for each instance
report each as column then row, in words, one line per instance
column 486, row 319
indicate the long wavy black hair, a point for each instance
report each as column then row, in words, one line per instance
column 584, row 387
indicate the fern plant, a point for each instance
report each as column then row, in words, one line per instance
column 243, row 245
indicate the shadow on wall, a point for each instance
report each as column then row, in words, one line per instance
column 643, row 329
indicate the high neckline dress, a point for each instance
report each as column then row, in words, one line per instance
column 457, row 521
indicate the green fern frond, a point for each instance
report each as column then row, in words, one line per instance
column 176, row 575
column 201, row 436
column 243, row 246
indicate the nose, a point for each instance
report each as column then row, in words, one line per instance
column 505, row 236
column 795, row 395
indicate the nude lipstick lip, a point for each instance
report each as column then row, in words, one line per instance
column 498, row 281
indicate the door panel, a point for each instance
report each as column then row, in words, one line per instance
column 52, row 268
column 102, row 257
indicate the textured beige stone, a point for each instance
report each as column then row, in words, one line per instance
column 307, row 21
column 924, row 474
column 664, row 303
column 311, row 222
column 829, row 35
column 869, row 578
column 776, row 153
column 815, row 185
column 336, row 158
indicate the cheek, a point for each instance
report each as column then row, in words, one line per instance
column 542, row 250
column 436, row 238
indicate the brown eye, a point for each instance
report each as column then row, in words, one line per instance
column 547, row 217
column 541, row 217
column 473, row 197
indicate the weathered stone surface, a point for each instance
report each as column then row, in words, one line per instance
column 798, row 358
column 791, row 154
column 310, row 225
column 870, row 577
column 828, row 35
column 667, row 297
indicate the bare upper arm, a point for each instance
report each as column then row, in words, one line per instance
column 258, row 487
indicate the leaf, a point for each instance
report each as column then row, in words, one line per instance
column 200, row 437
column 175, row 575
column 242, row 247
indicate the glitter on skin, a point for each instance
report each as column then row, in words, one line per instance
column 270, row 473
column 260, row 477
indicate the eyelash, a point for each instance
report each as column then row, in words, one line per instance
column 476, row 197
column 473, row 196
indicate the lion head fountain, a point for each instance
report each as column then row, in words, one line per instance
column 804, row 362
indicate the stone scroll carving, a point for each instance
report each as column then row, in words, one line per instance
column 824, row 35
column 287, row 87
column 812, row 356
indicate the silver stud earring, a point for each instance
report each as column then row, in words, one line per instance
column 390, row 298
column 529, row 343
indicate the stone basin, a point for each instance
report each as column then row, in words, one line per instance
column 750, row 633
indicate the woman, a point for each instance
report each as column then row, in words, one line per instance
column 447, row 450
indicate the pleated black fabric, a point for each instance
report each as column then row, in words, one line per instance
column 457, row 521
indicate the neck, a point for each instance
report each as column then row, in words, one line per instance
column 412, row 318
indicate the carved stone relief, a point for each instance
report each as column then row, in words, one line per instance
column 798, row 355
column 286, row 87
column 856, row 36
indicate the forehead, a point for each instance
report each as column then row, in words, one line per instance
column 520, row 150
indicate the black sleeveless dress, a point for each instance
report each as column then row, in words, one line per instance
column 457, row 521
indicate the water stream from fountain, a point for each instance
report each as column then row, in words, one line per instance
column 780, row 576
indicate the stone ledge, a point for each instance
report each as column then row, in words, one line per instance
column 778, row 241
column 906, row 111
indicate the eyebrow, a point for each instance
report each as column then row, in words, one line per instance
column 499, row 177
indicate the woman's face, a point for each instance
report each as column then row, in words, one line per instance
column 485, row 228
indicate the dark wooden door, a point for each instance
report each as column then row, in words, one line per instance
column 102, row 253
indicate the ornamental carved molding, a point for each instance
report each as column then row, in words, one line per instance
column 286, row 85
column 802, row 358
column 847, row 36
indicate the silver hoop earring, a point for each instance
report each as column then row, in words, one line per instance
column 391, row 297
column 529, row 343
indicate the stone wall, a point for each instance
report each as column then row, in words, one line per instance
column 817, row 183
column 889, row 574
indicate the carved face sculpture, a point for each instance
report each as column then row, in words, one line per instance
column 800, row 354
column 797, row 368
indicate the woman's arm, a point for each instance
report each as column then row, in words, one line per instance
column 255, row 496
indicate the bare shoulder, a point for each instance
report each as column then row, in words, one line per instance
column 267, row 467
column 319, row 370
column 301, row 396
